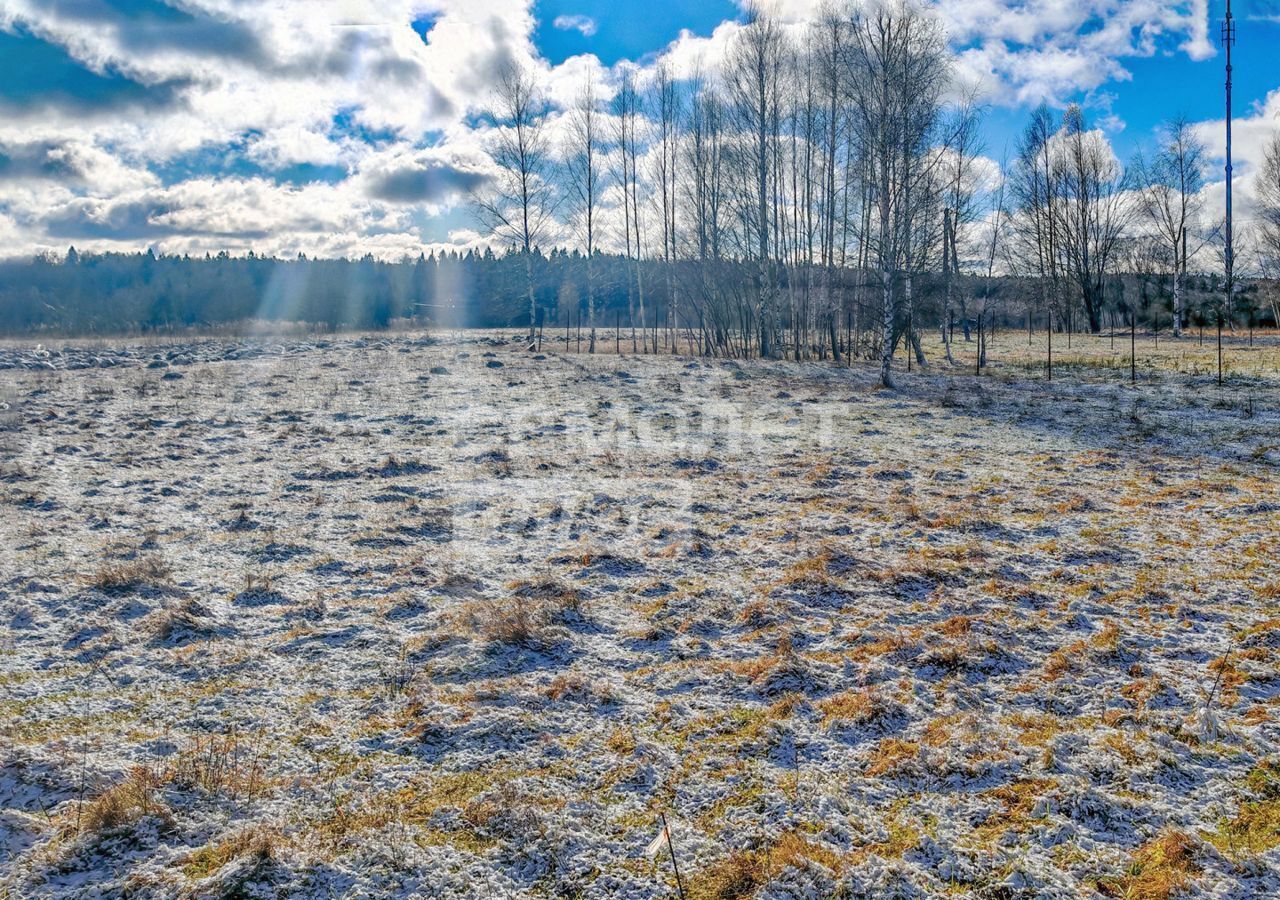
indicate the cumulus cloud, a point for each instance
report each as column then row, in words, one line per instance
column 421, row 179
column 584, row 25
column 45, row 159
column 1251, row 133
column 148, row 26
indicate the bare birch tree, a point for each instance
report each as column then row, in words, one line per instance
column 667, row 101
column 518, row 204
column 705, row 191
column 1094, row 211
column 960, row 208
column 628, row 109
column 752, row 72
column 1036, row 192
column 898, row 69
column 829, row 33
column 1268, row 232
column 586, row 182
column 1170, row 198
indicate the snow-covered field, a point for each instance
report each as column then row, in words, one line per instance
column 389, row 617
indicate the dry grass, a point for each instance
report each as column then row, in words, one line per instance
column 1162, row 868
column 913, row 655
column 891, row 756
column 1068, row 659
column 742, row 873
column 119, row 806
column 221, row 764
column 736, row 877
column 256, row 843
column 518, row 622
column 148, row 572
column 528, row 618
column 188, row 619
column 1094, row 355
column 855, row 707
column 1255, row 828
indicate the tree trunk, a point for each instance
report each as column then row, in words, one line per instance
column 886, row 348
column 533, row 302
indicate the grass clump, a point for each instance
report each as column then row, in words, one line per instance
column 143, row 573
column 189, row 619
column 256, row 843
column 1255, row 828
column 529, row 618
column 891, row 756
column 855, row 707
column 520, row 623
column 1161, row 868
column 119, row 806
column 743, row 872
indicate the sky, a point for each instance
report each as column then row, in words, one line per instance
column 345, row 127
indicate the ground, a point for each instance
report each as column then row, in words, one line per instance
column 414, row 616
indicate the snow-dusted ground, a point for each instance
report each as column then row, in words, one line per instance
column 383, row 617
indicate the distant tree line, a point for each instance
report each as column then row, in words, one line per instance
column 118, row 292
column 115, row 293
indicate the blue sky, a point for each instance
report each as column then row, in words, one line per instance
column 339, row 127
column 623, row 30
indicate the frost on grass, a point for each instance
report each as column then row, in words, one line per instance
column 307, row 623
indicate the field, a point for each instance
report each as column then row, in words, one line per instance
column 410, row 616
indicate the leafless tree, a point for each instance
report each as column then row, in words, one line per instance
column 1094, row 209
column 518, row 204
column 705, row 195
column 752, row 71
column 960, row 207
column 1170, row 197
column 1035, row 189
column 898, row 68
column 829, row 39
column 668, row 102
column 1268, row 194
column 994, row 240
column 628, row 114
column 585, row 175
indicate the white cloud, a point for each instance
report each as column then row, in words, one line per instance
column 1251, row 133
column 584, row 25
column 1025, row 52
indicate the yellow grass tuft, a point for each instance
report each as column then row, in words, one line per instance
column 890, row 755
column 255, row 842
column 132, row 575
column 1161, row 868
column 118, row 806
column 742, row 873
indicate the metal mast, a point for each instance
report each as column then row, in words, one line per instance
column 1228, row 39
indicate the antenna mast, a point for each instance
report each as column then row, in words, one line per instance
column 1228, row 39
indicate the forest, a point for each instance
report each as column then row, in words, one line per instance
column 119, row 293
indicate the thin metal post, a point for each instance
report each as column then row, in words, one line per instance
column 1228, row 39
column 672, row 847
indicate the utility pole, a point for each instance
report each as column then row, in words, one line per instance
column 1228, row 39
